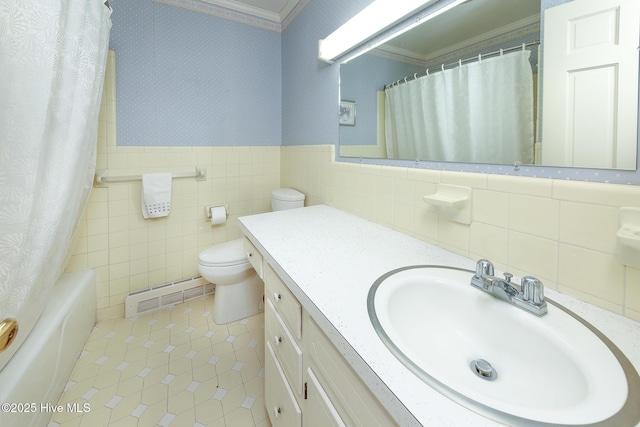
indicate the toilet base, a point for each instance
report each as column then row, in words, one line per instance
column 238, row 301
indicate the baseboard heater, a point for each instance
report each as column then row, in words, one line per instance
column 160, row 296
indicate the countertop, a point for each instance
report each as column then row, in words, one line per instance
column 329, row 259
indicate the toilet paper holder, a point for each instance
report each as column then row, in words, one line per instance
column 207, row 211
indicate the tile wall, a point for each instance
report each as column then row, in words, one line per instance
column 558, row 230
column 130, row 253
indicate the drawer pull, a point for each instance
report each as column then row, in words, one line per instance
column 277, row 340
column 249, row 255
column 276, row 297
column 276, row 411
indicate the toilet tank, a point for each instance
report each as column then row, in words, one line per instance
column 286, row 198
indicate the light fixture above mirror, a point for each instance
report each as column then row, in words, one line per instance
column 371, row 21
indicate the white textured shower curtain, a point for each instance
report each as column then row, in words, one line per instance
column 52, row 62
column 480, row 112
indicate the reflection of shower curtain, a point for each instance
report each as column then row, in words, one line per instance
column 480, row 112
column 52, row 61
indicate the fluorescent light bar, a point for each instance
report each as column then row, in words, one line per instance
column 417, row 22
column 373, row 19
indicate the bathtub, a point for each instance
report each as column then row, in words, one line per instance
column 35, row 377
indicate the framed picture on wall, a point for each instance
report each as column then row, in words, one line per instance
column 347, row 113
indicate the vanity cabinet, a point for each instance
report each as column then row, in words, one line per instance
column 254, row 256
column 308, row 382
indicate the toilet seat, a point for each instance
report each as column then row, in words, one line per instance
column 226, row 254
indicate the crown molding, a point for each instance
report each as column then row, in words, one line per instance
column 244, row 13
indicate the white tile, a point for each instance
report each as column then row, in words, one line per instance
column 129, row 339
column 238, row 366
column 170, row 325
column 121, row 367
column 248, row 402
column 230, row 338
column 101, row 360
column 189, row 329
column 213, row 360
column 111, row 334
column 113, row 402
column 166, row 420
column 144, row 372
column 90, row 393
column 193, row 386
column 149, row 344
column 209, row 334
column 139, row 410
column 169, row 348
column 219, row 394
column 191, row 354
column 167, row 380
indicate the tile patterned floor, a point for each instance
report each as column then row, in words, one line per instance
column 171, row 367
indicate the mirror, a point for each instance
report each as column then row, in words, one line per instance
column 474, row 33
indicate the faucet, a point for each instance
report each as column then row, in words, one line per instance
column 529, row 297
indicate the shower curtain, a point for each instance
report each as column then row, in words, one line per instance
column 480, row 112
column 52, row 62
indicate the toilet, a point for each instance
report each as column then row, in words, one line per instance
column 239, row 289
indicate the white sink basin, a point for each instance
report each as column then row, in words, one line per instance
column 554, row 369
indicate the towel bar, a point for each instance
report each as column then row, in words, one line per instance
column 102, row 178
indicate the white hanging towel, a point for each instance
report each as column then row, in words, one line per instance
column 156, row 195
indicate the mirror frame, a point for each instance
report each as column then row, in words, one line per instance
column 615, row 176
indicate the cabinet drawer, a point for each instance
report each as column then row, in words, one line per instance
column 254, row 257
column 284, row 346
column 279, row 401
column 283, row 300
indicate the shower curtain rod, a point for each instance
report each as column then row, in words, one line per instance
column 460, row 62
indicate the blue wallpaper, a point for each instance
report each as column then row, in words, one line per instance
column 310, row 86
column 188, row 78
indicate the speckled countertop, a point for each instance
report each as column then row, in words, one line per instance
column 329, row 259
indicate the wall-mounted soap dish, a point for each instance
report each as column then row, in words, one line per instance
column 628, row 236
column 452, row 202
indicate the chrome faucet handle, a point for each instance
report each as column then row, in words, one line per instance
column 508, row 277
column 484, row 267
column 532, row 290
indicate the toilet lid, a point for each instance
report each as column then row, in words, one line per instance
column 287, row 195
column 224, row 254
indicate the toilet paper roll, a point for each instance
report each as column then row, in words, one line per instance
column 218, row 215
